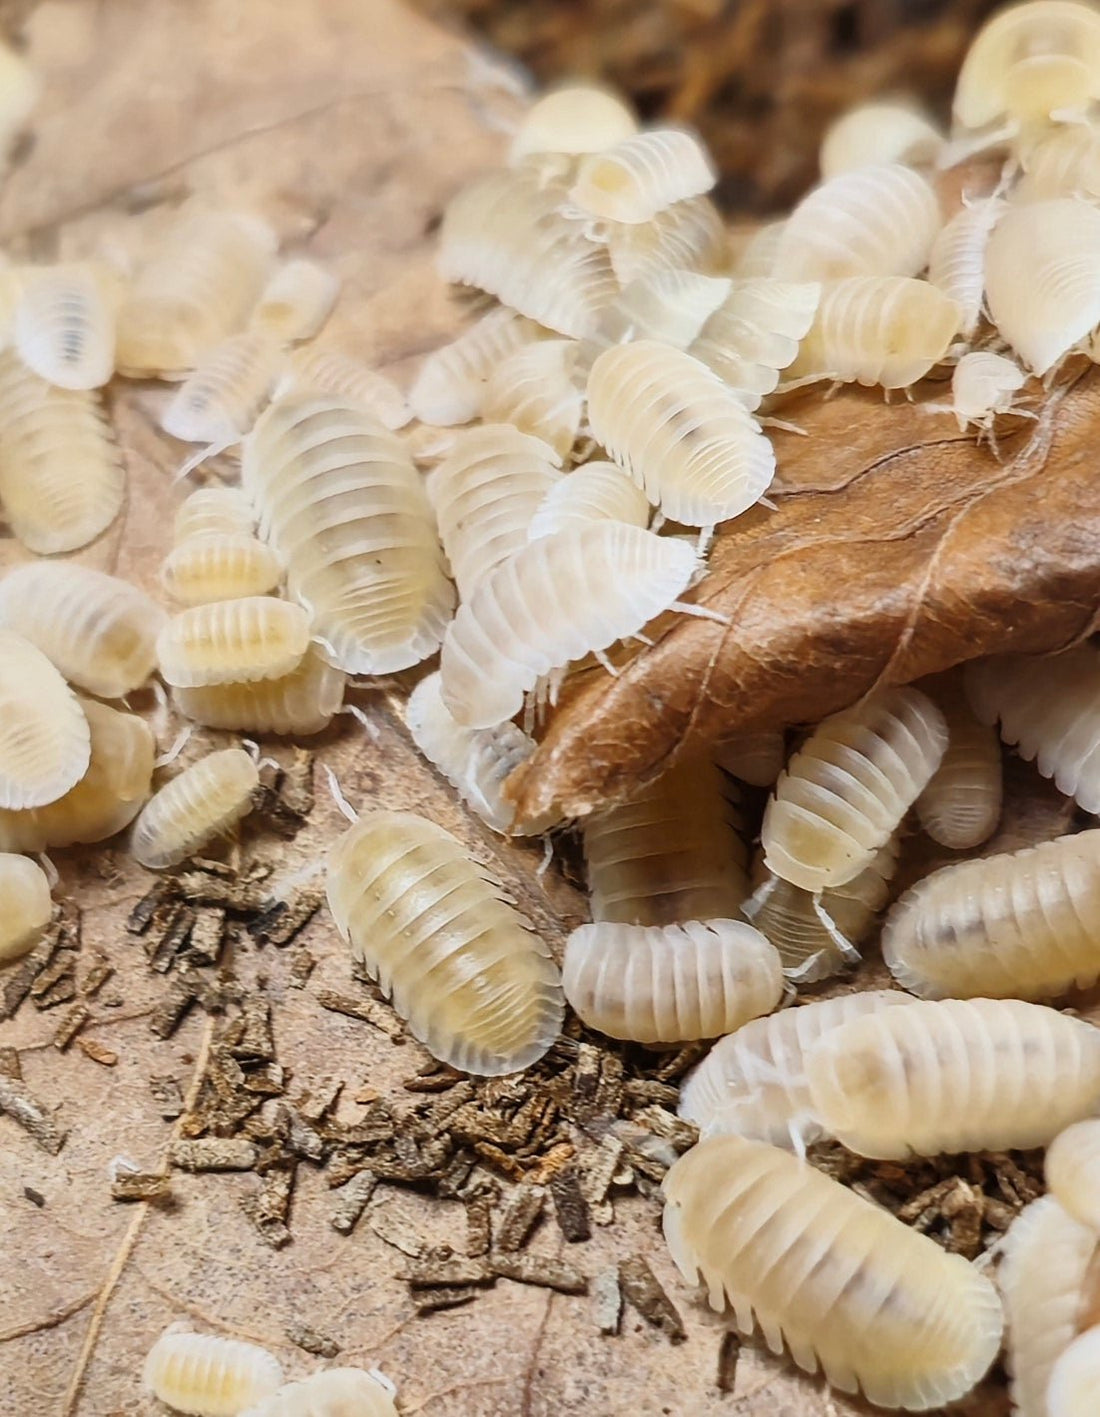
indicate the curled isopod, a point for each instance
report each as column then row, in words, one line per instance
column 832, row 1278
column 753, row 1083
column 849, row 785
column 219, row 566
column 875, row 221
column 65, row 325
column 679, row 432
column 598, row 491
column 1049, row 708
column 557, row 599
column 539, row 389
column 755, row 757
column 332, row 1392
column 582, row 118
column 876, row 133
column 232, row 642
column 1075, row 1377
column 1042, row 1278
column 1064, row 162
column 1073, row 1171
column 212, row 511
column 45, row 742
column 756, row 332
column 295, row 302
column 208, row 1376
column 686, row 236
column 956, row 263
column 1025, row 925
column 887, row 330
column 25, row 892
column 954, row 1075
column 452, row 381
column 329, row 371
column 478, row 989
column 670, row 306
column 643, row 175
column 961, row 805
column 302, row 702
column 670, row 983
column 219, row 400
column 204, row 801
column 982, row 386
column 98, row 630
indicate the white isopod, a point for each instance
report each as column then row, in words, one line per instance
column 318, row 370
column 219, row 566
column 876, row 133
column 302, row 702
column 1075, row 1377
column 207, row 1376
column 1073, row 1171
column 581, row 118
column 212, row 511
column 643, row 175
column 982, row 386
column 597, row 491
column 961, row 805
column 25, row 892
column 755, row 757
column 218, row 401
column 686, row 236
column 45, row 742
column 956, row 263
column 332, row 1392
column 451, row 384
column 65, row 325
column 756, row 333
column 232, row 642
column 1062, row 163
column 205, row 800
column 295, row 302
column 670, row 306
column 539, row 388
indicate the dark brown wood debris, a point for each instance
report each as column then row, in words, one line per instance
column 729, row 1351
column 141, row 1186
column 644, row 1291
column 528, row 1268
column 309, row 1340
column 20, row 1104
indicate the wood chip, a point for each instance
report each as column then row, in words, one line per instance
column 36, row 1198
column 729, row 1351
column 269, row 1207
column 296, row 783
column 20, row 1104
column 141, row 1186
column 644, row 1291
column 203, row 888
column 570, row 1206
column 141, row 917
column 607, row 1300
column 519, row 1216
column 166, row 1093
column 527, row 1268
column 662, row 1123
column 100, row 971
column 213, row 1154
column 425, row 1273
column 396, row 1230
column 281, row 920
column 351, row 1200
column 208, row 932
column 18, row 983
column 56, row 984
column 170, row 1012
column 302, row 965
column 10, row 1066
column 444, row 1296
column 366, row 1009
column 597, row 1167
column 479, row 1226
column 72, row 1021
column 254, row 1040
column 309, row 1340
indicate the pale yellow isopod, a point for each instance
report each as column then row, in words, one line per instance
column 849, row 785
column 212, row 511
column 670, row 306
column 301, row 703
column 1042, row 1278
column 64, row 324
column 1073, row 1171
column 207, row 1376
column 887, row 330
column 45, row 742
column 25, row 892
column 876, row 133
column 754, row 1083
column 431, row 925
column 232, row 642
column 295, row 302
column 1064, row 162
column 219, row 566
column 1075, row 1377
column 597, row 491
column 204, row 801
column 317, row 370
column 98, row 630
column 755, row 333
column 831, row 1278
column 218, row 401
column 952, row 1075
column 643, row 175
column 580, row 118
column 956, row 263
column 983, row 385
column 452, row 381
column 875, row 221
column 670, row 983
column 961, row 805
column 539, row 388
column 679, row 431
column 755, row 757
column 686, row 236
column 332, row 1392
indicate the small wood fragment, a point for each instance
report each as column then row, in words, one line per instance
column 479, row 1226
column 518, row 1217
column 213, row 1154
column 296, row 783
column 141, row 916
column 729, row 1351
column 351, row 1200
column 255, row 1040
column 269, row 1207
column 302, row 965
column 425, row 1273
column 141, row 1186
column 10, row 1066
column 444, row 1296
column 100, row 971
column 570, row 1206
column 166, row 1093
column 204, row 944
column 310, row 1340
column 280, row 920
column 36, row 1198
column 56, row 984
column 98, row 1052
column 204, row 888
column 170, row 1012
column 607, row 1300
column 528, row 1268
column 644, row 1291
column 20, row 1104
column 72, row 1021
column 18, row 983
column 395, row 1230
column 365, row 1009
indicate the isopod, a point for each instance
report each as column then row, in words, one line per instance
column 212, row 511
column 431, row 925
column 754, row 757
column 1073, row 1171
column 849, row 785
column 332, row 1392
column 754, row 1083
column 956, row 263
column 582, row 118
column 302, row 702
column 208, row 1376
column 835, row 1280
column 218, row 401
column 670, row 306
column 755, row 260
column 982, row 386
column 538, row 389
column 295, row 302
column 755, row 333
column 686, row 236
column 1075, row 1377
column 219, row 566
column 597, row 491
column 65, row 325
column 204, row 801
column 877, row 133
column 25, row 892
column 1063, row 163
column 45, row 742
column 317, row 370
column 232, row 642
column 452, row 381
column 643, row 175
column 954, row 1075
column 961, row 805
column 19, row 90
column 98, row 630
column 679, row 431
column 557, row 599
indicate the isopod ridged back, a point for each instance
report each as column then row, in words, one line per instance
column 201, row 803
column 65, row 325
column 219, row 400
column 1075, row 1377
column 212, row 511
column 1064, row 162
column 756, row 332
column 451, row 384
column 1073, row 1171
column 333, row 1392
column 838, row 1281
column 849, row 785
column 25, row 892
column 539, row 390
column 686, row 236
column 956, row 263
column 876, row 133
column 961, row 805
column 318, row 370
column 45, row 742
column 295, row 302
column 220, row 566
column 232, row 642
column 479, row 990
column 983, row 385
column 643, row 175
column 670, row 306
column 207, row 1376
column 755, row 757
column 582, row 118
column 597, row 491
column 301, row 702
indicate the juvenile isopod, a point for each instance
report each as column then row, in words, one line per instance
column 332, row 1392
column 961, row 805
column 954, row 1075
column 318, row 370
column 557, row 599
column 25, row 892
column 45, row 742
column 754, row 1084
column 956, row 263
column 581, row 118
column 755, row 757
column 218, row 401
column 643, row 175
column 597, row 491
column 232, row 642
column 219, row 566
column 431, row 925
column 755, row 333
column 295, row 302
column 212, row 511
column 686, row 236
column 670, row 306
column 98, row 630
column 202, row 802
column 679, row 431
column 832, row 1278
column 1073, row 1171
column 540, row 390
column 207, row 1376
column 65, row 325
column 876, row 133
column 849, row 785
column 1075, row 1377
column 982, row 386
column 301, row 702
column 450, row 387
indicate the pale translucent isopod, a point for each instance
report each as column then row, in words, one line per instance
column 1042, row 1278
column 954, row 1075
column 557, row 599
column 753, row 757
column 754, row 1082
column 219, row 566
column 333, row 1392
column 671, row 306
column 679, row 431
column 875, row 221
column 1075, row 1377
column 670, row 983
column 207, row 1376
column 983, row 385
column 834, row 1279
column 232, row 642
column 755, row 259
column 956, row 264
column 431, row 925
column 212, row 511
column 25, row 892
column 98, row 630
column 643, row 175
column 329, row 371
column 65, row 325
column 204, row 801
column 219, row 400
column 756, row 333
column 582, row 118
column 876, row 133
column 686, row 236
column 451, row 384
column 301, row 702
column 296, row 301
column 598, row 491
column 539, row 389
column 1073, row 1171
column 45, row 742
column 485, row 494
column 1063, row 163
column 849, row 785
column 961, row 805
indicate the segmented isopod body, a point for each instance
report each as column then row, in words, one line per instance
column 679, row 431
column 1073, row 1171
column 954, row 1075
column 98, row 630
column 232, row 642
column 451, row 384
column 670, row 983
column 756, row 333
column 45, row 742
column 961, row 805
column 333, row 1392
column 598, row 491
column 849, row 785
column 670, row 306
column 207, row 1376
column 329, row 371
column 61, row 480
column 485, row 494
column 107, row 798
column 983, row 385
column 219, row 566
column 1075, row 1377
column 219, row 400
column 539, row 390
column 875, row 221
column 956, row 263
column 582, row 118
column 65, row 325
column 204, row 801
column 25, row 892
column 342, row 503
column 1042, row 1276
column 834, row 1279
column 1063, row 163
column 295, row 302
column 212, row 511
column 686, row 236
column 557, row 599
column 877, row 133
column 887, row 330
column 301, row 702
column 478, row 989
column 754, row 1082
column 199, row 287
column 643, row 175
column 755, row 259
column 755, row 757
column 1050, row 709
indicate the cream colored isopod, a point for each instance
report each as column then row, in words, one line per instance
column 956, row 263
column 643, row 175
column 218, row 401
column 302, row 702
column 232, row 642
column 961, row 805
column 318, row 370
column 25, row 898
column 686, row 236
column 207, row 1376
column 876, row 133
column 65, row 325
column 332, row 1392
column 982, row 386
column 1073, row 1171
column 580, row 118
column 204, row 801
column 539, row 389
column 295, row 302
column 755, row 333
column 1075, row 1377
column 220, row 566
column 45, row 742
column 450, row 387
column 595, row 492
column 213, row 511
